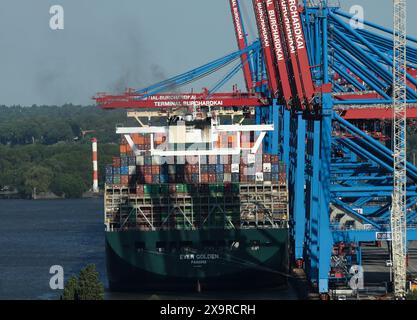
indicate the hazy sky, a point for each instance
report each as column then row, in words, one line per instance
column 111, row 44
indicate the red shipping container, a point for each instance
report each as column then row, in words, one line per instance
column 141, row 139
column 266, row 158
column 135, row 138
column 147, row 170
column 124, row 180
column 148, row 179
column 212, row 178
column 204, row 178
column 227, row 168
column 274, row 159
column 116, row 162
column 123, row 148
column 156, row 169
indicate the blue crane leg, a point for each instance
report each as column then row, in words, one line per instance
column 299, row 196
column 325, row 239
column 314, row 202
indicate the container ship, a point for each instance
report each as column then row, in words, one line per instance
column 193, row 203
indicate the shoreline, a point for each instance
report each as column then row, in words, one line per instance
column 16, row 196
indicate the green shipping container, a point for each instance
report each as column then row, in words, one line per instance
column 180, row 188
column 235, row 187
column 184, row 188
column 164, row 189
column 155, row 189
column 147, row 188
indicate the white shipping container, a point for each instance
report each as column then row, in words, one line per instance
column 236, row 158
column 251, row 158
column 235, row 168
column 140, row 160
column 259, row 176
column 132, row 170
column 225, row 159
column 266, row 167
column 227, row 177
column 156, row 160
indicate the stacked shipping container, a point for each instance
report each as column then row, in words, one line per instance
column 130, row 170
column 217, row 189
column 146, row 169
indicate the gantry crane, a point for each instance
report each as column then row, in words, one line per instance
column 308, row 72
column 399, row 197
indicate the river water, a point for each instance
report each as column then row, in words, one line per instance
column 35, row 235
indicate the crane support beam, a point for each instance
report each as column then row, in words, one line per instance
column 173, row 100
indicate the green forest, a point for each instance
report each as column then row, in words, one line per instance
column 48, row 148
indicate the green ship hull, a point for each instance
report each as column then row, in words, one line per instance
column 190, row 259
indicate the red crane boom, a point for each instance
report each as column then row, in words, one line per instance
column 280, row 54
column 242, row 43
column 264, row 33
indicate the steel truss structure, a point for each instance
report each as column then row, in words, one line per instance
column 399, row 196
column 307, row 69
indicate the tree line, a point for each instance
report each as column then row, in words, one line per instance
column 48, row 148
column 52, row 124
